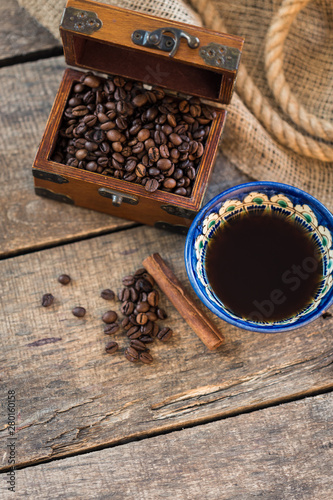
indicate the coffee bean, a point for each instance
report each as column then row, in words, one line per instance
column 134, row 332
column 64, row 279
column 165, row 334
column 146, row 339
column 140, row 100
column 111, row 328
column 161, row 313
column 92, row 81
column 127, row 308
column 128, row 280
column 138, row 345
column 109, row 317
column 146, row 357
column 111, row 347
column 79, row 312
column 47, row 300
column 131, row 354
column 151, row 185
column 145, row 127
column 153, row 154
column 143, row 307
column 107, row 294
column 141, row 318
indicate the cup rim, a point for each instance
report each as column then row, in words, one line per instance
column 189, row 245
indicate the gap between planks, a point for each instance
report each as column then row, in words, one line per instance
column 179, row 427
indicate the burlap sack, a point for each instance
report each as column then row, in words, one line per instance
column 280, row 120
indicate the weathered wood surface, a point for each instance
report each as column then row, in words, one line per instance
column 280, row 453
column 71, row 396
column 26, row 220
column 20, row 33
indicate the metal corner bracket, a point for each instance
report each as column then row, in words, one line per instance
column 220, row 56
column 81, row 21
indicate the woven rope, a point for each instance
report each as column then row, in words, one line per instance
column 276, row 37
column 283, row 132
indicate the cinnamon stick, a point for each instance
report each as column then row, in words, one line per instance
column 182, row 301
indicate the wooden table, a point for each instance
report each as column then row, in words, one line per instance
column 252, row 419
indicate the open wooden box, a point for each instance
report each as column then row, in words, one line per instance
column 182, row 59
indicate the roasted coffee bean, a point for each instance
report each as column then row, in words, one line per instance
column 81, row 154
column 144, row 126
column 153, row 154
column 151, row 316
column 79, row 312
column 147, row 339
column 140, row 170
column 138, row 345
column 151, row 185
column 64, row 279
column 146, row 357
column 165, row 334
column 142, row 307
column 140, row 100
column 134, row 332
column 126, row 324
column 107, row 294
column 147, row 328
column 111, row 328
column 169, row 183
column 111, row 347
column 128, row 280
column 92, row 81
column 47, row 300
column 161, row 313
column 131, row 354
column 142, row 318
column 110, row 317
column 127, row 308
column 155, row 330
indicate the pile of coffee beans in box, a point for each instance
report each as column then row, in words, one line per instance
column 115, row 127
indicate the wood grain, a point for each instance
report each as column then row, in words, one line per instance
column 26, row 220
column 20, row 34
column 278, row 453
column 72, row 397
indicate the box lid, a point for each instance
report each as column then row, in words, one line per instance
column 177, row 56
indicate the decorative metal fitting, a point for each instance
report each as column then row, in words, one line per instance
column 220, row 56
column 158, row 40
column 82, row 21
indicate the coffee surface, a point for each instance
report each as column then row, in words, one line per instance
column 263, row 266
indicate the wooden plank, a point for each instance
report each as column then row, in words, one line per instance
column 20, row 34
column 26, row 220
column 283, row 452
column 71, row 396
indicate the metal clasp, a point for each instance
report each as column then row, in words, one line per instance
column 158, row 40
column 117, row 197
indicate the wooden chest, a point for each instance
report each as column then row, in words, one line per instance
column 139, row 144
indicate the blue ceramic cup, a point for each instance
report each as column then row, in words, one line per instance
column 290, row 202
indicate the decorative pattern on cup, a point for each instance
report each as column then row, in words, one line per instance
column 259, row 201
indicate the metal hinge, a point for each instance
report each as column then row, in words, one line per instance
column 82, row 21
column 158, row 40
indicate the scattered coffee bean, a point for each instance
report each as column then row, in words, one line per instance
column 79, row 312
column 110, row 317
column 111, row 328
column 146, row 358
column 129, row 133
column 131, row 354
column 107, row 294
column 164, row 334
column 47, row 300
column 64, row 279
column 111, row 347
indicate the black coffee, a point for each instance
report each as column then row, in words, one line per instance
column 263, row 267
